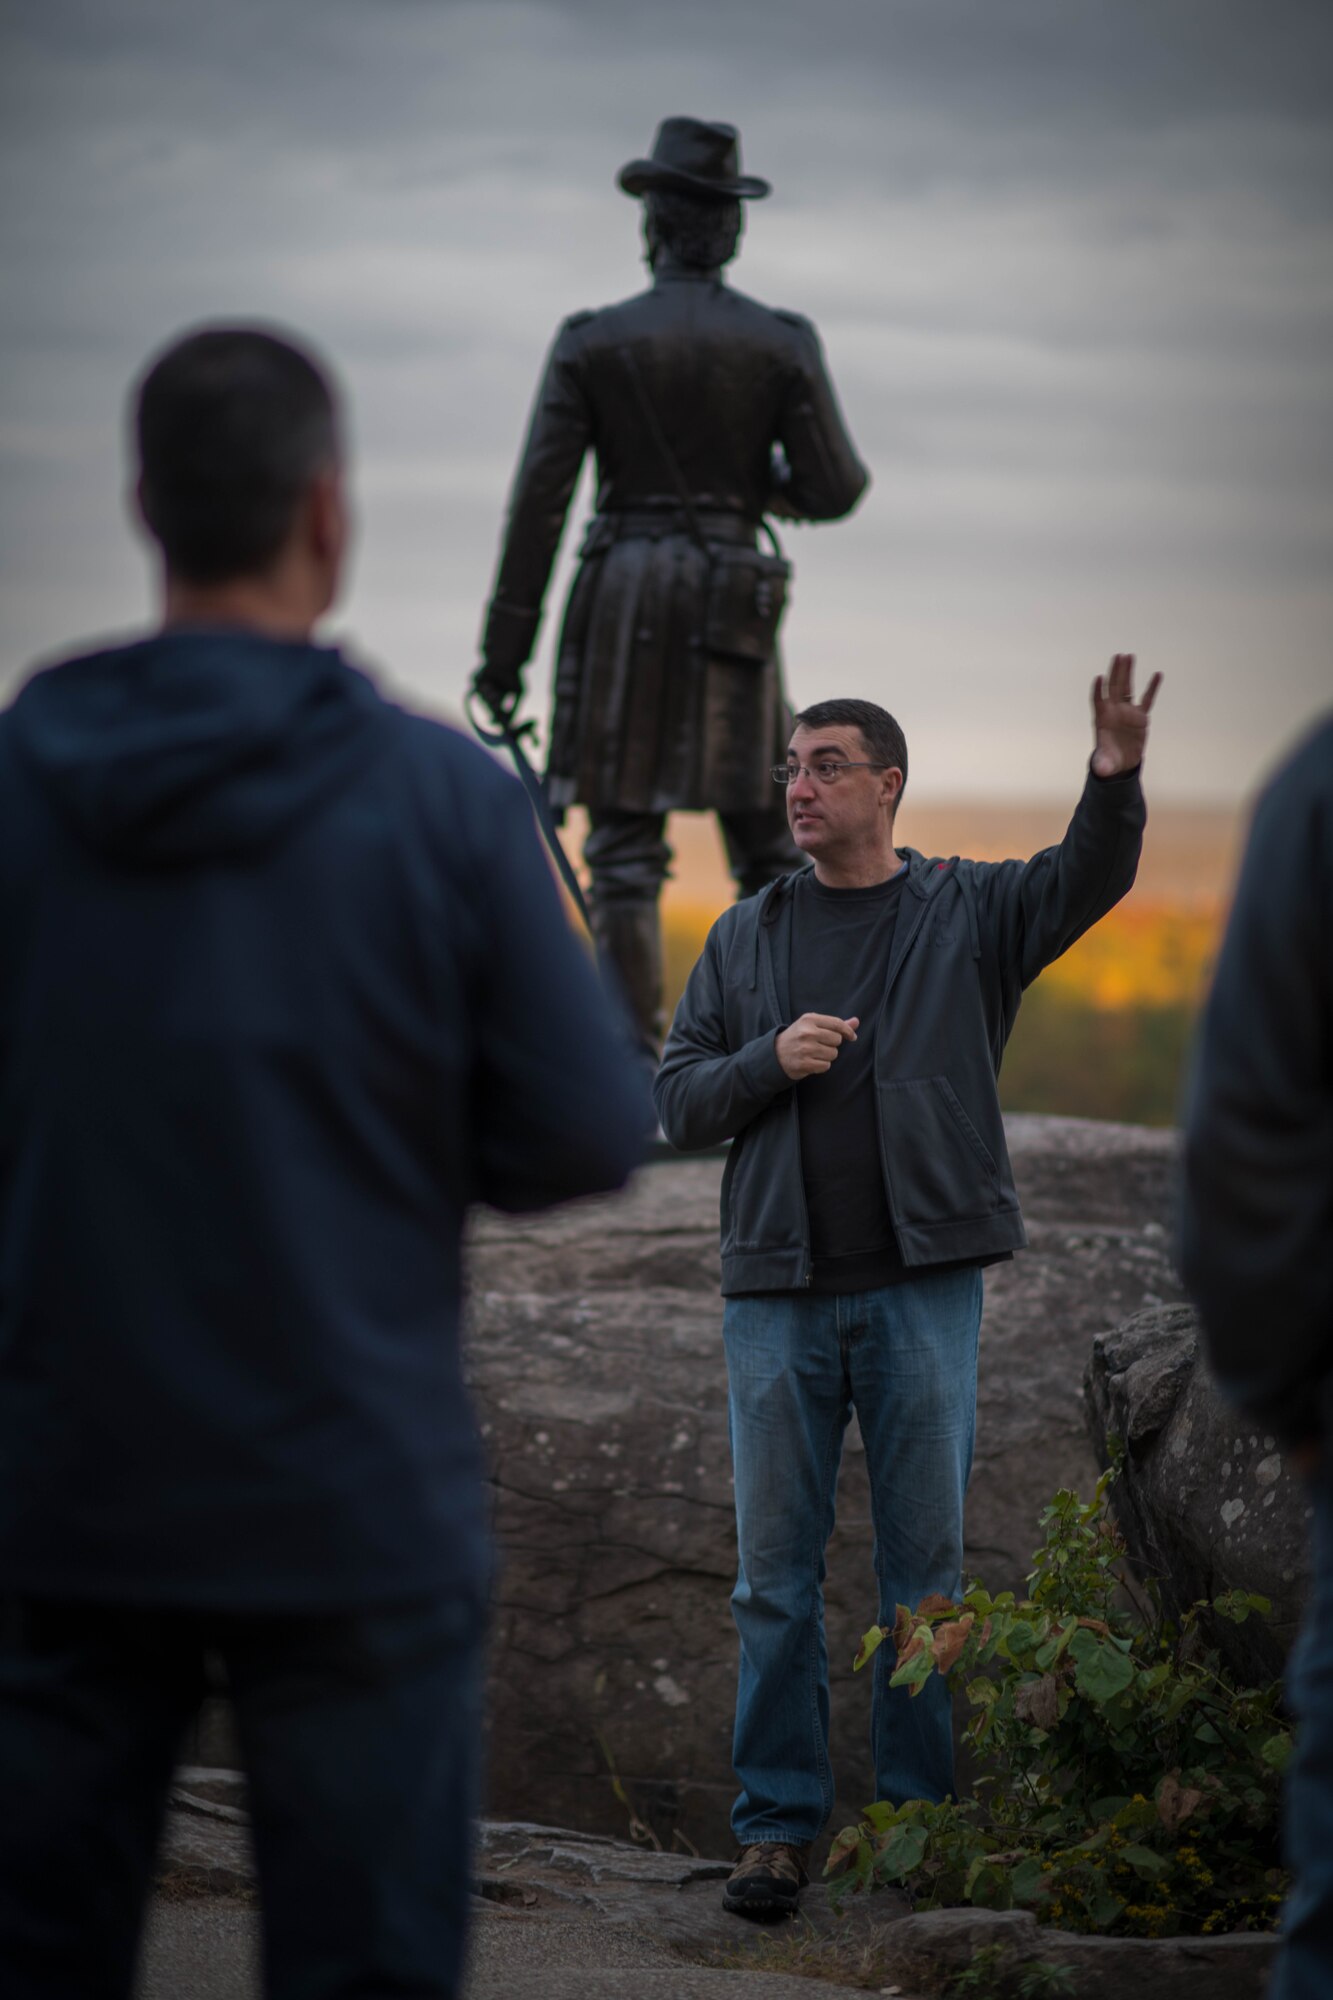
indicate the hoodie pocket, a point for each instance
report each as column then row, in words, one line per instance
column 939, row 1166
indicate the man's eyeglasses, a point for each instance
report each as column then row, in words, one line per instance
column 826, row 772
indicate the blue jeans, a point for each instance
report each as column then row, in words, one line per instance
column 905, row 1358
column 1305, row 1962
column 359, row 1733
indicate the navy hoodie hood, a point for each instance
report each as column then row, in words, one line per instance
column 196, row 744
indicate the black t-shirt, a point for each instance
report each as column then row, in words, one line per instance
column 841, row 941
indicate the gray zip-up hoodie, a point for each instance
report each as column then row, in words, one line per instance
column 970, row 936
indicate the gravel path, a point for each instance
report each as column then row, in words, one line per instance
column 207, row 1949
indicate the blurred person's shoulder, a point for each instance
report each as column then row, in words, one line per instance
column 1309, row 767
column 1299, row 792
column 465, row 791
column 441, row 745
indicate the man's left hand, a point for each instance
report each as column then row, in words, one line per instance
column 1121, row 723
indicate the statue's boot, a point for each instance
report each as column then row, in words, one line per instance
column 628, row 935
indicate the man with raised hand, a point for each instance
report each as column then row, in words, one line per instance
column 268, row 1024
column 845, row 1029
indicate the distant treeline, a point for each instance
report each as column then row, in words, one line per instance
column 1082, row 1061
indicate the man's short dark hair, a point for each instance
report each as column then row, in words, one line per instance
column 699, row 230
column 231, row 425
column 882, row 736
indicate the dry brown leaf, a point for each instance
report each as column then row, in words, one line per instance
column 1175, row 1802
column 932, row 1606
column 950, row 1639
column 1039, row 1703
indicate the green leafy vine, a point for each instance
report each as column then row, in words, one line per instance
column 1126, row 1784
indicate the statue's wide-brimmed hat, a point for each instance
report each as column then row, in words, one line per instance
column 691, row 157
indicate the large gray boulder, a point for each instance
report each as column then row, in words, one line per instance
column 1207, row 1502
column 597, row 1367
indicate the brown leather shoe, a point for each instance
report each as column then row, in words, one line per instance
column 767, row 1880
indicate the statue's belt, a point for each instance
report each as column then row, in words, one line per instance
column 657, row 523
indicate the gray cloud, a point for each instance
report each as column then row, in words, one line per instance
column 1071, row 264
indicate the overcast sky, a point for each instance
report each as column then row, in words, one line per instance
column 1072, row 263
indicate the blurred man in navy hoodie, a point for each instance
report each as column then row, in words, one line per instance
column 284, row 987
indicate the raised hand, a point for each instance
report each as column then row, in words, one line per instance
column 1120, row 722
column 811, row 1044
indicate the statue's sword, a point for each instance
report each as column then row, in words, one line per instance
column 504, row 736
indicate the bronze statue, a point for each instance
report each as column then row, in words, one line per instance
column 706, row 411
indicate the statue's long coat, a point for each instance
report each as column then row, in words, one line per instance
column 644, row 719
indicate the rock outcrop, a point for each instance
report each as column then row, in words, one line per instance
column 597, row 1366
column 1207, row 1503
